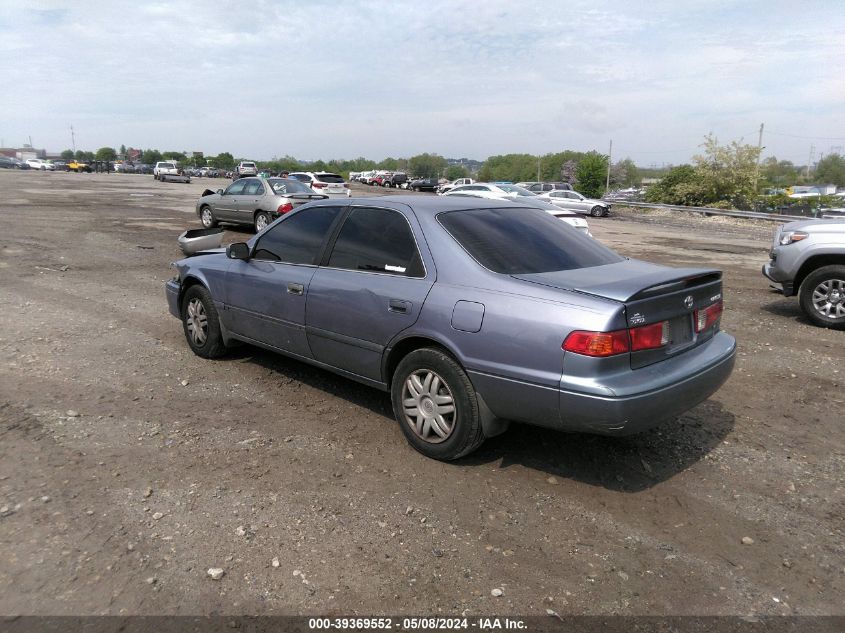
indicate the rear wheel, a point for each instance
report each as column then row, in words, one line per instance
column 822, row 296
column 201, row 323
column 597, row 211
column 436, row 406
column 207, row 218
column 262, row 219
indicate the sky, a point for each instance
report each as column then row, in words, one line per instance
column 348, row 78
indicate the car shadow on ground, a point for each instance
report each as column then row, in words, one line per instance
column 787, row 307
column 625, row 464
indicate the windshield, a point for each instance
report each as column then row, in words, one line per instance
column 514, row 241
column 519, row 191
column 284, row 186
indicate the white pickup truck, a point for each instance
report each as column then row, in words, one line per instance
column 455, row 183
column 168, row 171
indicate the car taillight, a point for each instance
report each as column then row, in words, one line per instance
column 284, row 208
column 597, row 343
column 346, row 185
column 318, row 185
column 708, row 316
column 602, row 344
column 649, row 336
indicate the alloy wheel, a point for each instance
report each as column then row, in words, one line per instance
column 829, row 298
column 197, row 322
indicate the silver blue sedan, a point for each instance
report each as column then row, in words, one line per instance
column 472, row 313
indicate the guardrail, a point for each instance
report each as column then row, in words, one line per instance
column 711, row 211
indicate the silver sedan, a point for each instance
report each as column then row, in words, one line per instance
column 574, row 201
column 253, row 201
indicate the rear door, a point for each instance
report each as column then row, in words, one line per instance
column 371, row 287
column 266, row 294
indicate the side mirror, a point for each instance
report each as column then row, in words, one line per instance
column 220, row 191
column 238, row 250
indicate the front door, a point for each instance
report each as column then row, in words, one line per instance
column 225, row 208
column 267, row 293
column 372, row 287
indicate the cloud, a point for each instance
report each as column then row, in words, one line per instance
column 326, row 79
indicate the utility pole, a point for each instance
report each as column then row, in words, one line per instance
column 609, row 162
column 72, row 139
column 810, row 160
column 538, row 168
column 759, row 151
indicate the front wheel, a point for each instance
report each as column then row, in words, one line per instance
column 436, row 406
column 822, row 296
column 201, row 323
column 207, row 218
column 597, row 211
column 261, row 221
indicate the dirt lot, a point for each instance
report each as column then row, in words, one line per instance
column 129, row 467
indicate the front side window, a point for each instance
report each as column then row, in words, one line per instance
column 236, row 188
column 253, row 188
column 298, row 238
column 514, row 241
column 377, row 240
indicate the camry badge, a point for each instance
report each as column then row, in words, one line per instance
column 688, row 301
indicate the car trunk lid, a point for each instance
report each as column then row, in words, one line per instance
column 651, row 294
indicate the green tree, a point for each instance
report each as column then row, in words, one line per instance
column 624, row 173
column 778, row 173
column 831, row 170
column 122, row 151
column 151, row 156
column 179, row 157
column 427, row 165
column 727, row 173
column 84, row 156
column 678, row 186
column 106, row 153
column 390, row 164
column 67, row 154
column 591, row 174
column 453, row 172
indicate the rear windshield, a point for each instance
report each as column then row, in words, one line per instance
column 282, row 186
column 167, row 165
column 520, row 241
column 329, row 178
column 247, row 164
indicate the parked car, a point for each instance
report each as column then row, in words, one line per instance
column 165, row 168
column 574, row 201
column 333, row 185
column 424, row 184
column 495, row 191
column 79, row 166
column 399, row 180
column 60, row 165
column 499, row 192
column 253, row 201
column 245, row 168
column 7, row 162
column 125, row 168
column 143, row 168
column 469, row 312
column 807, row 259
column 455, row 183
column 42, row 165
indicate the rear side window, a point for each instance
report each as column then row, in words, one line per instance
column 519, row 241
column 377, row 240
column 298, row 238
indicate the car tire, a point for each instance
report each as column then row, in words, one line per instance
column 597, row 211
column 207, row 218
column 430, row 380
column 822, row 296
column 201, row 323
column 417, row 189
column 262, row 220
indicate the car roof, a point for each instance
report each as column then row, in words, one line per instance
column 427, row 205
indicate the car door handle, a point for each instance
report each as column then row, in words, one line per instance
column 296, row 289
column 399, row 306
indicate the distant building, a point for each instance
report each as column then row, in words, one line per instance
column 24, row 153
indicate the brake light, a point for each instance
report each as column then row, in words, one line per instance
column 597, row 343
column 285, row 208
column 346, row 185
column 708, row 316
column 318, row 185
column 649, row 336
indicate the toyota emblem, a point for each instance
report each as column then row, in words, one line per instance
column 688, row 301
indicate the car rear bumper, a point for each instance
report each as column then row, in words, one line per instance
column 624, row 406
column 639, row 411
column 171, row 291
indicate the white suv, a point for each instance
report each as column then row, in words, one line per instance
column 324, row 182
column 165, row 168
column 43, row 165
column 246, row 168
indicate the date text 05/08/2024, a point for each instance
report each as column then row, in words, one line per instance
column 417, row 624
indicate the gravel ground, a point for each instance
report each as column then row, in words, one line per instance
column 129, row 467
